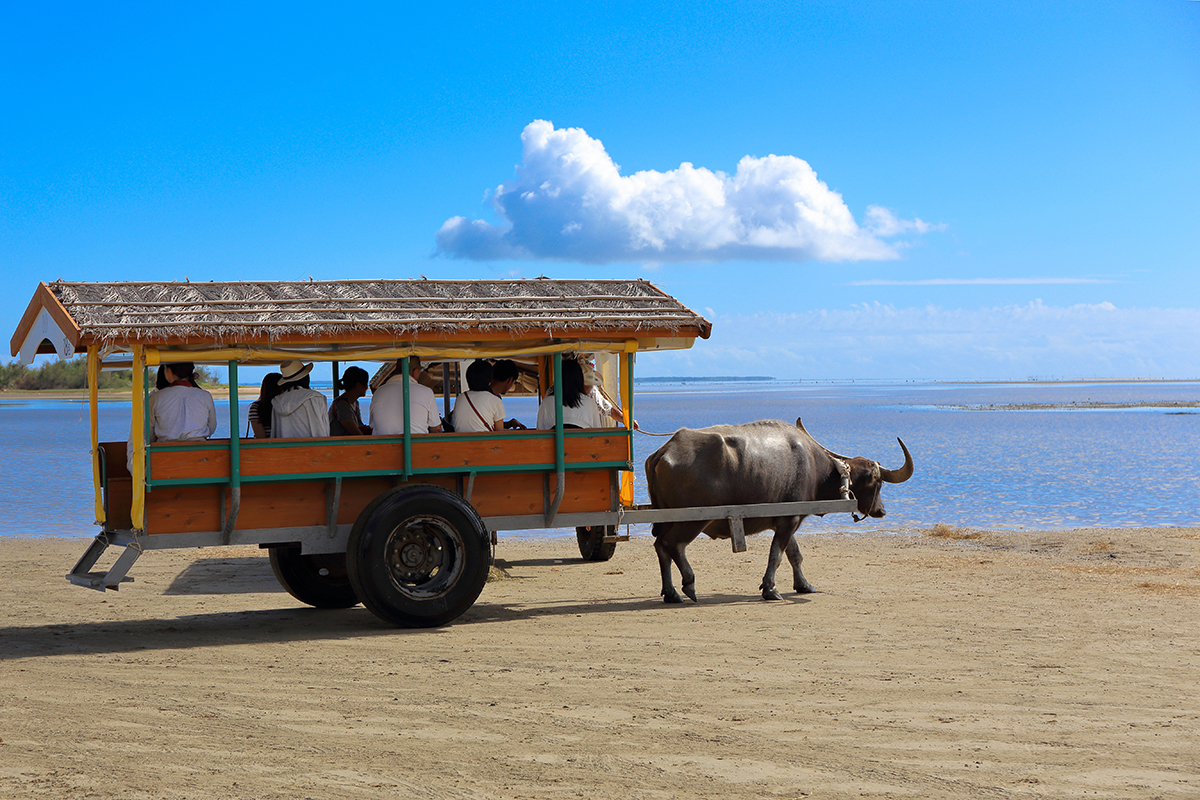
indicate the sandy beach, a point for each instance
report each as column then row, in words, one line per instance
column 960, row 665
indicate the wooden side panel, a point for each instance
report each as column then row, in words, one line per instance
column 188, row 509
column 120, row 498
column 181, row 509
column 115, row 454
column 449, row 451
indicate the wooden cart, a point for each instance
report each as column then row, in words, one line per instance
column 403, row 524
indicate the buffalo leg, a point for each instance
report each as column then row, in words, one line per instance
column 783, row 540
column 800, row 583
column 670, row 542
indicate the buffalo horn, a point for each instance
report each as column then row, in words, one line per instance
column 902, row 474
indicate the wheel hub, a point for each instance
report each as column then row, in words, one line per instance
column 419, row 556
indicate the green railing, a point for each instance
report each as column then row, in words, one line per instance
column 405, row 471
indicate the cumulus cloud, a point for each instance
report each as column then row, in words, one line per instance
column 570, row 201
column 1010, row 342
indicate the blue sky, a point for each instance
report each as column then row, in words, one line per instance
column 864, row 190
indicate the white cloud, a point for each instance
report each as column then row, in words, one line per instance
column 570, row 202
column 979, row 282
column 882, row 222
column 1013, row 342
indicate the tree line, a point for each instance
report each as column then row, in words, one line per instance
column 63, row 374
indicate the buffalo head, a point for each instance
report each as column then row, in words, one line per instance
column 867, row 478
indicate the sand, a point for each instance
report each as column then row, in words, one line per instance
column 964, row 665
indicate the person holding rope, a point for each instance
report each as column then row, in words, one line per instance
column 578, row 408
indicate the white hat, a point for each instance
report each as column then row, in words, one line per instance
column 293, row 371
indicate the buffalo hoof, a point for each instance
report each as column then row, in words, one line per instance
column 804, row 588
column 672, row 597
column 690, row 591
column 772, row 594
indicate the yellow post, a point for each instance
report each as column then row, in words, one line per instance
column 626, row 493
column 137, row 429
column 93, row 379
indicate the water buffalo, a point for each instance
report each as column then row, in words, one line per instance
column 761, row 462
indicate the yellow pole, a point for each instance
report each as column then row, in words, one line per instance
column 138, row 437
column 93, row 379
column 626, row 393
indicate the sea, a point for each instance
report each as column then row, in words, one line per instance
column 998, row 456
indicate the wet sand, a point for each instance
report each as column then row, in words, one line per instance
column 959, row 665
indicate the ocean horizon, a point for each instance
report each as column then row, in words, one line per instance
column 998, row 455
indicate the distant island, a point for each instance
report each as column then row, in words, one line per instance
column 706, row 379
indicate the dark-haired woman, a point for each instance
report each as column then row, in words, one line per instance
column 477, row 409
column 579, row 409
column 182, row 410
column 260, row 410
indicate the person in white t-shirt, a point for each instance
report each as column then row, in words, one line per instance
column 579, row 409
column 477, row 409
column 387, row 403
column 181, row 411
column 505, row 374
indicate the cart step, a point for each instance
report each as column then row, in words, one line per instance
column 96, row 580
column 83, row 575
column 616, row 537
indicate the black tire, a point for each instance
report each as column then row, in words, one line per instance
column 591, row 542
column 418, row 556
column 318, row 580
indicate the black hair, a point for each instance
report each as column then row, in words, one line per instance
column 353, row 376
column 573, row 387
column 161, row 381
column 505, row 369
column 479, row 375
column 299, row 382
column 270, row 388
column 184, row 371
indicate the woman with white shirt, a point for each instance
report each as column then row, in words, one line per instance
column 579, row 409
column 478, row 410
column 181, row 410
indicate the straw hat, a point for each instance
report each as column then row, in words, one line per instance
column 293, row 371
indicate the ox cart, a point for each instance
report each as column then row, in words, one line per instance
column 403, row 524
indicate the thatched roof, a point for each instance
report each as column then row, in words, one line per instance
column 271, row 312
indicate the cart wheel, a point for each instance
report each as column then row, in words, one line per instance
column 591, row 542
column 319, row 580
column 418, row 556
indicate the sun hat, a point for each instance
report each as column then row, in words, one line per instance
column 293, row 371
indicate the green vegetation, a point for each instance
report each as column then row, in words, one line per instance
column 60, row 375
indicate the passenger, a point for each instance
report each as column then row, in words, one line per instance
column 504, row 377
column 579, row 409
column 298, row 411
column 181, row 410
column 477, row 409
column 345, row 417
column 160, row 383
column 259, row 415
column 608, row 408
column 387, row 403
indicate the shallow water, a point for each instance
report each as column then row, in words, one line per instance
column 980, row 461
